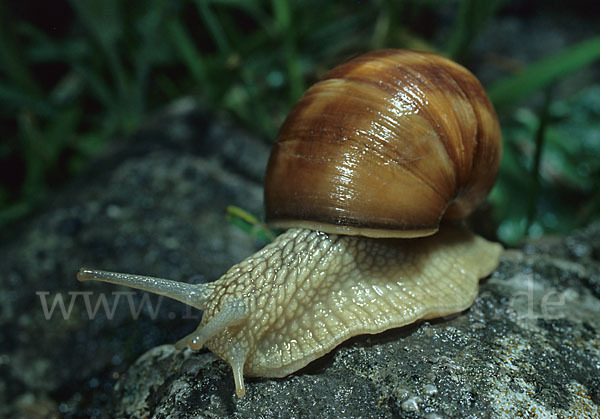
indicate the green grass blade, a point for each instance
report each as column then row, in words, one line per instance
column 104, row 25
column 544, row 72
column 14, row 99
column 214, row 25
column 471, row 18
column 540, row 139
column 13, row 63
column 282, row 13
column 188, row 53
column 249, row 224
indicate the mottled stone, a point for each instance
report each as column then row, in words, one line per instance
column 154, row 204
column 528, row 346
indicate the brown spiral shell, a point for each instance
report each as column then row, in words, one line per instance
column 385, row 145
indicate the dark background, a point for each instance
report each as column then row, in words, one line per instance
column 77, row 76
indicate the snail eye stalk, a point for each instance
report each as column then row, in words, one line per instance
column 197, row 295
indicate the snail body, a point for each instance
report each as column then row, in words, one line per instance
column 383, row 148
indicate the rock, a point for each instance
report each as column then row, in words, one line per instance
column 155, row 205
column 529, row 346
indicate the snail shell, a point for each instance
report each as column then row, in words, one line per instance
column 385, row 145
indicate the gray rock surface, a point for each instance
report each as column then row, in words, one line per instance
column 528, row 347
column 153, row 205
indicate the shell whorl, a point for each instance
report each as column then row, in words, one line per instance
column 386, row 144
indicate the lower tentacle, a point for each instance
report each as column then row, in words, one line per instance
column 232, row 313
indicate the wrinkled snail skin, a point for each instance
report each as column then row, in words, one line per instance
column 386, row 145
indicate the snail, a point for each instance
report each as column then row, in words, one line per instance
column 371, row 172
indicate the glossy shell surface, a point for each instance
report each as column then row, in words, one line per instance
column 386, row 145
